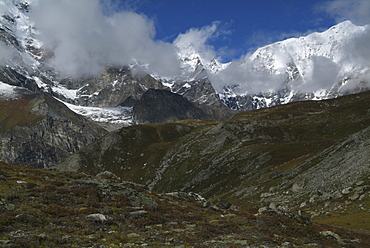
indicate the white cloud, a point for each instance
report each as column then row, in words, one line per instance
column 196, row 40
column 84, row 40
column 247, row 78
column 360, row 48
column 8, row 53
column 13, row 57
column 357, row 11
column 322, row 76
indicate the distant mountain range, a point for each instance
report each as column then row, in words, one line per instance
column 318, row 66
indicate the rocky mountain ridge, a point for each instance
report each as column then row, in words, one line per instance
column 280, row 72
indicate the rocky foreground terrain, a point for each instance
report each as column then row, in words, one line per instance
column 45, row 208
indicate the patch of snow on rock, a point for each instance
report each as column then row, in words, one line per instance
column 113, row 115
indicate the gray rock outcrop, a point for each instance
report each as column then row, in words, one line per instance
column 38, row 130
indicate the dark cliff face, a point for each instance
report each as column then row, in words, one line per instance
column 199, row 91
column 37, row 130
column 164, row 106
column 17, row 78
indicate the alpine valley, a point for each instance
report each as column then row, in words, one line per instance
column 128, row 157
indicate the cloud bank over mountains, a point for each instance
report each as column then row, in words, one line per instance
column 195, row 40
column 85, row 40
column 358, row 11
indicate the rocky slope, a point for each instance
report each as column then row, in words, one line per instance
column 39, row 131
column 43, row 208
column 283, row 155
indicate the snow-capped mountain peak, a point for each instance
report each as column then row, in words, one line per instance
column 331, row 44
column 316, row 66
column 192, row 59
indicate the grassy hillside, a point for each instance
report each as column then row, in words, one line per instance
column 302, row 156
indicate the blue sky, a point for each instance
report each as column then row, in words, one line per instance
column 243, row 25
